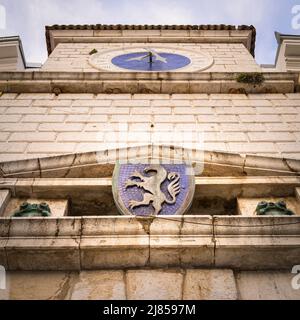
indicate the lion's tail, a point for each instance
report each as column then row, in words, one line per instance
column 174, row 186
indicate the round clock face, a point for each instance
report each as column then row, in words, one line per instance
column 151, row 59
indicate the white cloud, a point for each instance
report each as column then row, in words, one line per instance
column 248, row 11
column 157, row 12
column 28, row 18
column 39, row 13
column 43, row 12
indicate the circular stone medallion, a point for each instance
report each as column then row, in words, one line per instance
column 152, row 189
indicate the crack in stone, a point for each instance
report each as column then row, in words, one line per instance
column 183, row 272
column 2, row 173
column 244, row 165
column 57, row 228
column 214, row 240
column 56, row 232
column 79, row 245
column 146, row 224
column 63, row 289
column 31, row 186
column 180, row 234
column 125, row 284
column 40, row 169
column 236, row 275
column 70, row 166
column 5, row 249
column 285, row 161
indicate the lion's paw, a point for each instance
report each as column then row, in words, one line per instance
column 132, row 204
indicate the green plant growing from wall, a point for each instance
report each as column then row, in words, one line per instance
column 251, row 78
column 93, row 52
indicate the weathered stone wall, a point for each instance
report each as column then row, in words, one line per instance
column 194, row 284
column 39, row 125
column 228, row 57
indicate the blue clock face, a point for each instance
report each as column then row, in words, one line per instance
column 150, row 60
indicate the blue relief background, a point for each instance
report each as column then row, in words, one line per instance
column 174, row 61
column 135, row 193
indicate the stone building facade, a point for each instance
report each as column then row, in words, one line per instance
column 65, row 125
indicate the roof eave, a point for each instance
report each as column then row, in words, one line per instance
column 151, row 27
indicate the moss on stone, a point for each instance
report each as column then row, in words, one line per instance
column 251, row 78
column 93, row 52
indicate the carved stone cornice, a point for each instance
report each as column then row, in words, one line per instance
column 151, row 33
column 75, row 243
column 101, row 163
column 142, row 82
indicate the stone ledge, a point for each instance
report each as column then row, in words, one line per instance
column 133, row 82
column 265, row 226
column 4, row 200
column 94, row 197
column 101, row 163
column 151, row 284
column 106, row 75
column 257, row 252
column 42, row 253
column 59, row 207
column 134, row 87
column 159, row 226
column 63, row 244
column 50, row 227
column 87, row 194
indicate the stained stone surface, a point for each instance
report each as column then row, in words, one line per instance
column 37, row 285
column 64, row 255
column 58, row 207
column 269, row 285
column 99, row 285
column 154, row 284
column 4, row 199
column 209, row 285
column 3, row 258
column 247, row 206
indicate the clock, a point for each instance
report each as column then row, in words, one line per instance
column 151, row 59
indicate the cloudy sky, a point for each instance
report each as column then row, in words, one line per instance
column 28, row 18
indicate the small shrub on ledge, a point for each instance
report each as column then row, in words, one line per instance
column 251, row 78
column 93, row 52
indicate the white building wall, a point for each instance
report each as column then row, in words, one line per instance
column 179, row 284
column 39, row 125
column 228, row 57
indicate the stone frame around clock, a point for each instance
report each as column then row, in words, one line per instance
column 106, row 57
